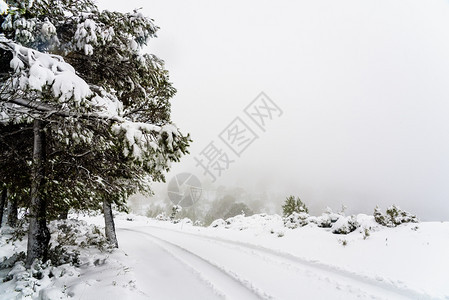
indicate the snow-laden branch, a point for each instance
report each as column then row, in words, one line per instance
column 49, row 110
column 3, row 7
column 35, row 72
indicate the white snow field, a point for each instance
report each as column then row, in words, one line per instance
column 258, row 258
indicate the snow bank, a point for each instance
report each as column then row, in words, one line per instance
column 79, row 253
column 411, row 256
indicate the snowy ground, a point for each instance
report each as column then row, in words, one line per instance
column 255, row 258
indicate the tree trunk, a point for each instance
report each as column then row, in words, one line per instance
column 2, row 203
column 109, row 224
column 38, row 233
column 12, row 212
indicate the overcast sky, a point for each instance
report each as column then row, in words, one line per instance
column 363, row 86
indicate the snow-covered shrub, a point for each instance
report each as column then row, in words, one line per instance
column 343, row 242
column 258, row 223
column 18, row 232
column 22, row 277
column 295, row 220
column 66, row 232
column 326, row 220
column 97, row 239
column 9, row 262
column 345, row 225
column 68, row 236
column 235, row 219
column 38, row 269
column 218, row 223
column 292, row 205
column 393, row 216
column 366, row 233
column 28, row 281
column 367, row 224
column 174, row 211
column 60, row 255
column 239, row 222
column 295, row 212
column 36, row 282
column 183, row 221
column 73, row 243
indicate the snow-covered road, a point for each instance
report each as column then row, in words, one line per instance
column 253, row 257
column 172, row 264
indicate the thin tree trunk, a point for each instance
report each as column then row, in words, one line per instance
column 109, row 224
column 12, row 212
column 2, row 204
column 38, row 233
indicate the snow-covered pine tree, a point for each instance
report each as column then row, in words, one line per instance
column 98, row 107
column 393, row 216
column 292, row 205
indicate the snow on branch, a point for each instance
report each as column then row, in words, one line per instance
column 34, row 73
column 3, row 7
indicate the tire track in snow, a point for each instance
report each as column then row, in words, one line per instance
column 333, row 273
column 159, row 274
column 225, row 283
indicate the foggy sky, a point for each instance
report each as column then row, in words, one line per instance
column 363, row 86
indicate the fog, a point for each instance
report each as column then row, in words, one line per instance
column 362, row 85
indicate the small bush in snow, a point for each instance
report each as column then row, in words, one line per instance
column 366, row 233
column 343, row 242
column 96, row 238
column 33, row 283
column 183, row 221
column 18, row 232
column 66, row 233
column 292, row 205
column 327, row 219
column 27, row 280
column 345, row 225
column 218, row 223
column 174, row 211
column 393, row 216
column 71, row 235
column 11, row 261
column 295, row 220
column 60, row 255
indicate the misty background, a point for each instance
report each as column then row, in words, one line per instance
column 363, row 86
